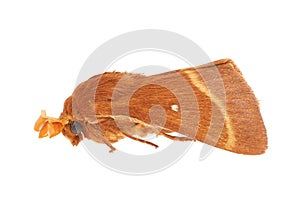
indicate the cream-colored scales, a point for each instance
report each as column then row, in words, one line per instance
column 175, row 108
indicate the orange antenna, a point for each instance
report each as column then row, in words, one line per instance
column 49, row 126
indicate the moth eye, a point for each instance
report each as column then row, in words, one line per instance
column 75, row 127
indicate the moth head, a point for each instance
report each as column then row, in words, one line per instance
column 49, row 126
column 73, row 132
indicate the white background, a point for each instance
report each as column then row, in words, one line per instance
column 43, row 46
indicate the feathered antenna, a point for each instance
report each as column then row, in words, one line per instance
column 49, row 126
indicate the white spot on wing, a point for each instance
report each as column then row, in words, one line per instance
column 175, row 108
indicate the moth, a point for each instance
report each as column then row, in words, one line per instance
column 211, row 103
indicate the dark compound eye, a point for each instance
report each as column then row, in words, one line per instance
column 75, row 127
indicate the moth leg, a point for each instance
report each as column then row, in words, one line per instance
column 102, row 139
column 105, row 141
column 140, row 140
column 176, row 138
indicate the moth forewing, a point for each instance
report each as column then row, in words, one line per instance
column 228, row 118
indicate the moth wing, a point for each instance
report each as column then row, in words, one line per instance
column 211, row 103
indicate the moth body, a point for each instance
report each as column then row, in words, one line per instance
column 211, row 103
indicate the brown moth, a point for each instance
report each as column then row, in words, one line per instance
column 115, row 105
